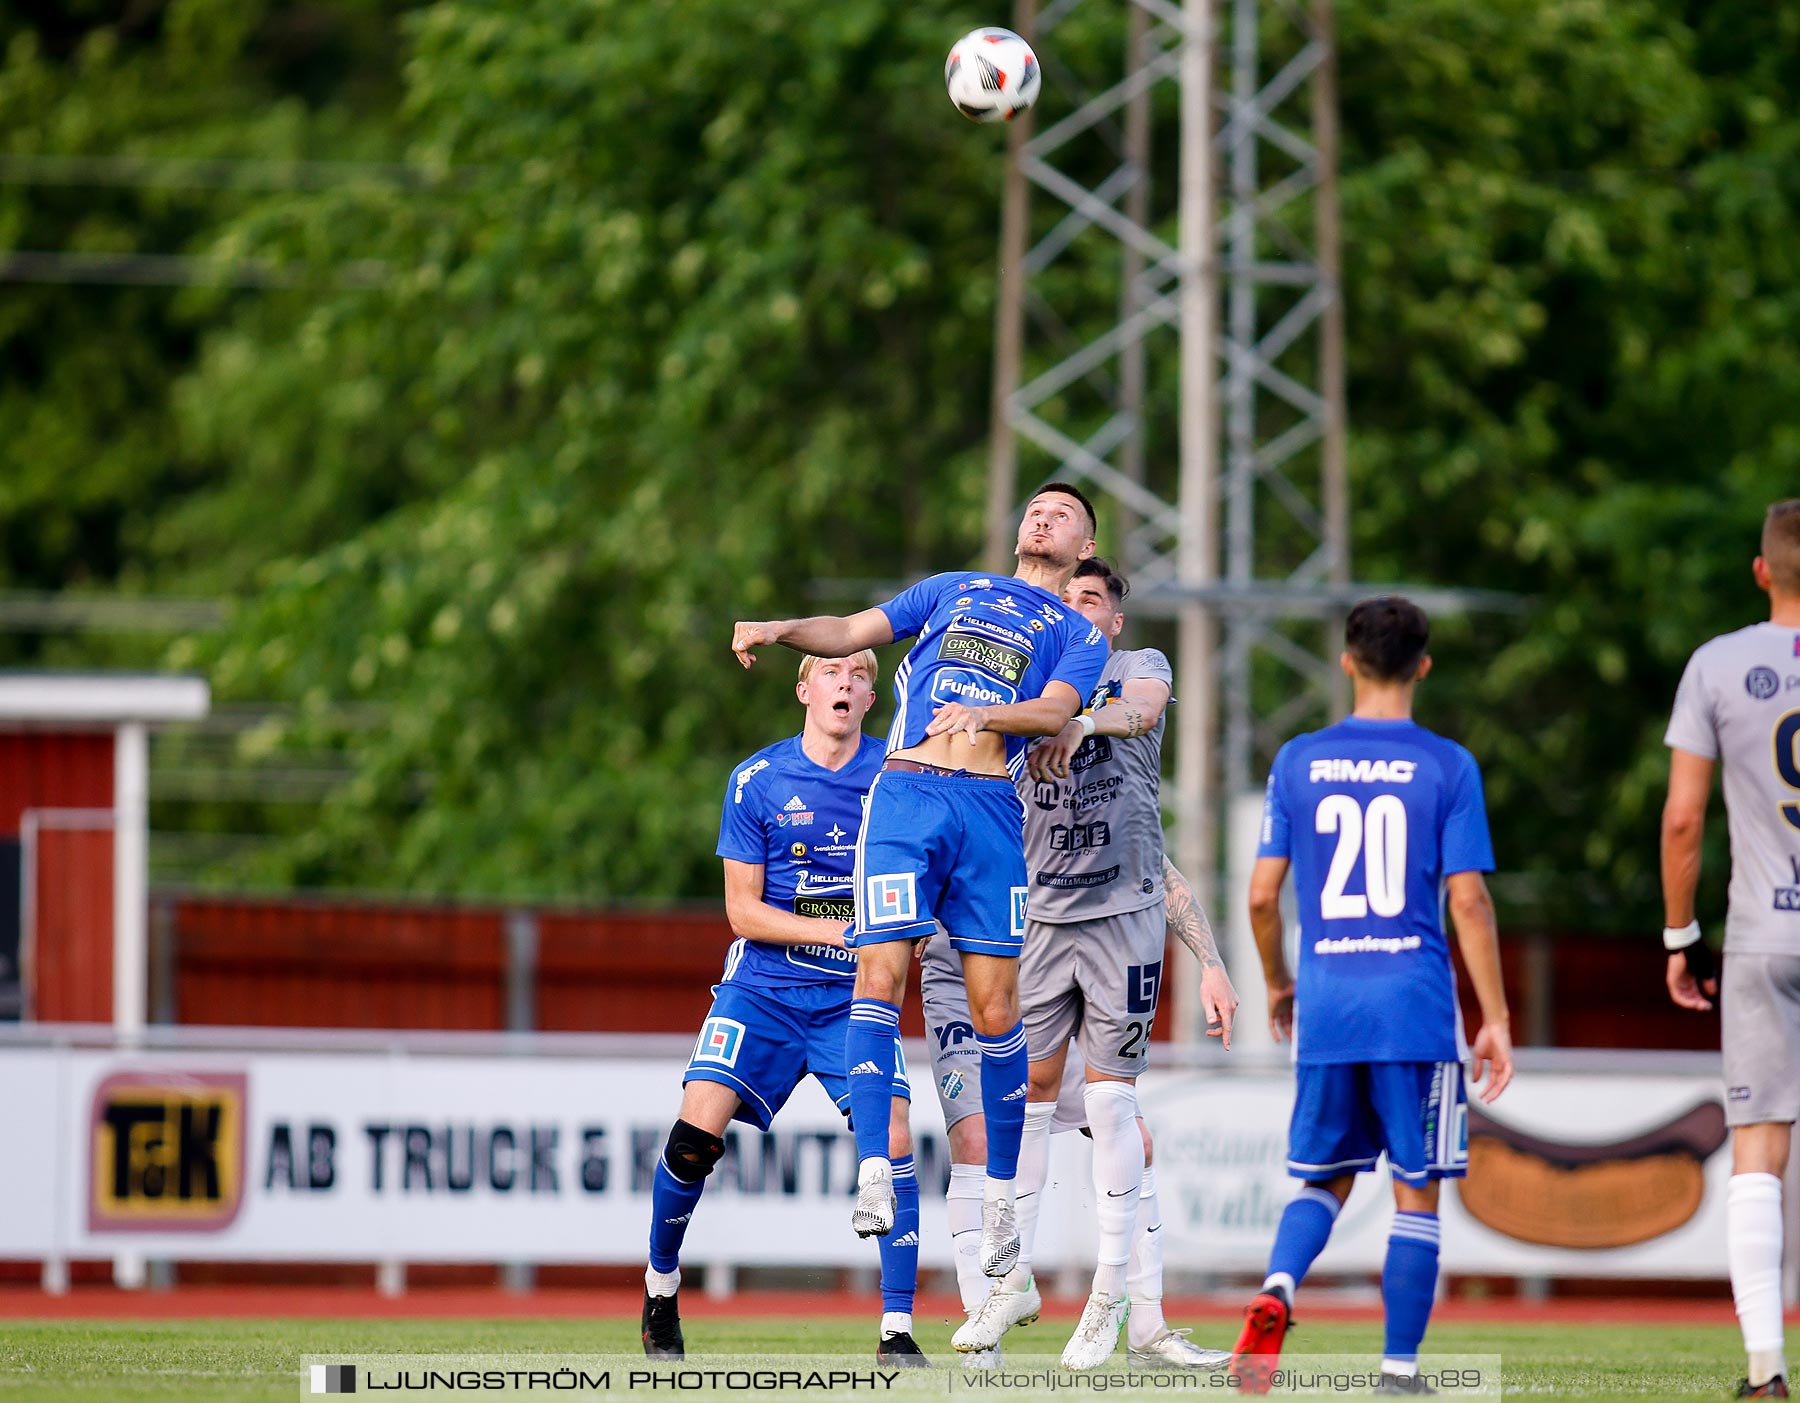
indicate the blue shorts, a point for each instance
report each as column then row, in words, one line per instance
column 942, row 848
column 1346, row 1114
column 761, row 1043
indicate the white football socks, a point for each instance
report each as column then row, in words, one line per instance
column 1753, row 1249
column 963, row 1210
column 1118, row 1177
column 1034, row 1174
column 1144, row 1273
column 661, row 1283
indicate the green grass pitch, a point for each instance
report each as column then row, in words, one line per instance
column 239, row 1359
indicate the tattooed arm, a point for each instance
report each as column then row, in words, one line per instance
column 1188, row 924
column 1134, row 712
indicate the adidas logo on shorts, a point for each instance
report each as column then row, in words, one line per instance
column 865, row 1069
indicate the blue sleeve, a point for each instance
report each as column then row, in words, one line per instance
column 1083, row 659
column 908, row 611
column 742, row 835
column 1466, row 846
column 1276, row 839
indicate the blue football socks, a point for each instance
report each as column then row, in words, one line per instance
column 900, row 1248
column 672, row 1203
column 869, row 1056
column 1304, row 1230
column 1408, row 1282
column 1003, row 1072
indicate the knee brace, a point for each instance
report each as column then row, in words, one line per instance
column 691, row 1152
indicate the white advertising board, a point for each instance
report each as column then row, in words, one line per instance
column 292, row 1154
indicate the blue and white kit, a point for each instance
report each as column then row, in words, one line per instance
column 780, row 1011
column 1375, row 815
column 982, row 641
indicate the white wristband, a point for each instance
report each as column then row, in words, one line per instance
column 1680, row 937
column 1086, row 722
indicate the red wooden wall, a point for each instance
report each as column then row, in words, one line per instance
column 48, row 770
column 71, row 973
column 337, row 963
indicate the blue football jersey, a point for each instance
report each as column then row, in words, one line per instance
column 800, row 821
column 985, row 641
column 1374, row 815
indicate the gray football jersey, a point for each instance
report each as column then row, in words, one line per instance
column 1739, row 704
column 1094, row 841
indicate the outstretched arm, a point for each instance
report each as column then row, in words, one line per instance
column 1134, row 712
column 823, row 635
column 1188, row 924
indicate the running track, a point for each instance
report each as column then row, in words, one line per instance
column 486, row 1303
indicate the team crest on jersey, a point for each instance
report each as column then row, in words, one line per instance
column 720, row 1041
column 891, row 898
column 1762, row 683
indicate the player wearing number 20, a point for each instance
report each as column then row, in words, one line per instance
column 1377, row 815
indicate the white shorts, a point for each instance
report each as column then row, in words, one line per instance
column 1759, row 1011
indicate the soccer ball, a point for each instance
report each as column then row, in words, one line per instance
column 992, row 75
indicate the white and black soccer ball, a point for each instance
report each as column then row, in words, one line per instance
column 992, row 75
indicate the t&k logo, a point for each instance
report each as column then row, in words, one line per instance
column 167, row 1151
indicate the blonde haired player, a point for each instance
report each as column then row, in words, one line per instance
column 787, row 834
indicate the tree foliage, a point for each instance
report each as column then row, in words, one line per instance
column 691, row 307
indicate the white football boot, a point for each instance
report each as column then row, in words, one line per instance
column 999, row 1238
column 1174, row 1347
column 1097, row 1336
column 873, row 1215
column 1000, row 1310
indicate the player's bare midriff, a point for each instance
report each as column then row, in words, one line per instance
column 986, row 757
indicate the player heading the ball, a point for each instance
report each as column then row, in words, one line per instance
column 998, row 660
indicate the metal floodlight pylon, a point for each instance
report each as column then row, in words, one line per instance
column 1234, row 522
